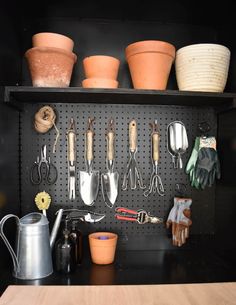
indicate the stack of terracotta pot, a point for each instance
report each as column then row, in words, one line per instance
column 51, row 60
column 101, row 71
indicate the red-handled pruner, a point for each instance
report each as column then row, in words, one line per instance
column 139, row 216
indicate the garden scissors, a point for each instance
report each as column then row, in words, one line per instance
column 140, row 216
column 43, row 169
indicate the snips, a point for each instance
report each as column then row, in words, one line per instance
column 43, row 170
column 139, row 216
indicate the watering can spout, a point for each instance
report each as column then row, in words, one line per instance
column 56, row 228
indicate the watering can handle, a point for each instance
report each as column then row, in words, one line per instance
column 9, row 247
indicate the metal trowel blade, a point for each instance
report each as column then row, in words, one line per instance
column 88, row 186
column 110, row 187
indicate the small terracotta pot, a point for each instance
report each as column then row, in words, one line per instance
column 101, row 66
column 53, row 40
column 103, row 247
column 99, row 83
column 150, row 63
column 50, row 67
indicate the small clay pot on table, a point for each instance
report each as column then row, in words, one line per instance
column 103, row 247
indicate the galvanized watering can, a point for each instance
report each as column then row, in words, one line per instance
column 32, row 258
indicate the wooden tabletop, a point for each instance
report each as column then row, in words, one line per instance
column 187, row 294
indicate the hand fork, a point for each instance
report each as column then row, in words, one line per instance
column 155, row 185
column 132, row 171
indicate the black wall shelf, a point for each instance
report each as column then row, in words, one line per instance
column 25, row 94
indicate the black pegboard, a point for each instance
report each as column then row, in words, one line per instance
column 31, row 142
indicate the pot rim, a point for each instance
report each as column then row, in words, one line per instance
column 113, row 236
column 220, row 46
column 101, row 56
column 51, row 50
column 102, row 79
column 53, row 34
column 150, row 46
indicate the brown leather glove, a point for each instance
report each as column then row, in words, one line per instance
column 179, row 218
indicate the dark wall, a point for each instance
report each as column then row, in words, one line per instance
column 199, row 12
column 173, row 21
column 226, row 188
column 10, row 73
column 10, row 56
column 9, row 172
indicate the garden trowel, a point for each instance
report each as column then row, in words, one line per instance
column 110, row 179
column 89, row 179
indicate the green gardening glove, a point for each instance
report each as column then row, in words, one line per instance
column 207, row 166
column 192, row 163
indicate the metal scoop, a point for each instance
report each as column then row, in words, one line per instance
column 110, row 179
column 89, row 179
column 177, row 142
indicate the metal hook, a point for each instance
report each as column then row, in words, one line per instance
column 180, row 188
column 204, row 127
column 72, row 125
column 154, row 127
column 90, row 123
column 111, row 125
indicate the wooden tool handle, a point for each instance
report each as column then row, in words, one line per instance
column 110, row 145
column 133, row 135
column 89, row 145
column 71, row 146
column 155, row 146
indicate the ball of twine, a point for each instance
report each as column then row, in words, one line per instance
column 44, row 120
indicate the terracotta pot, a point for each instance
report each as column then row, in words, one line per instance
column 99, row 83
column 50, row 67
column 150, row 63
column 101, row 66
column 103, row 247
column 53, row 40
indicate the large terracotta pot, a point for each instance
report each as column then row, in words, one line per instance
column 103, row 247
column 150, row 63
column 50, row 67
column 53, row 40
column 99, row 83
column 101, row 66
